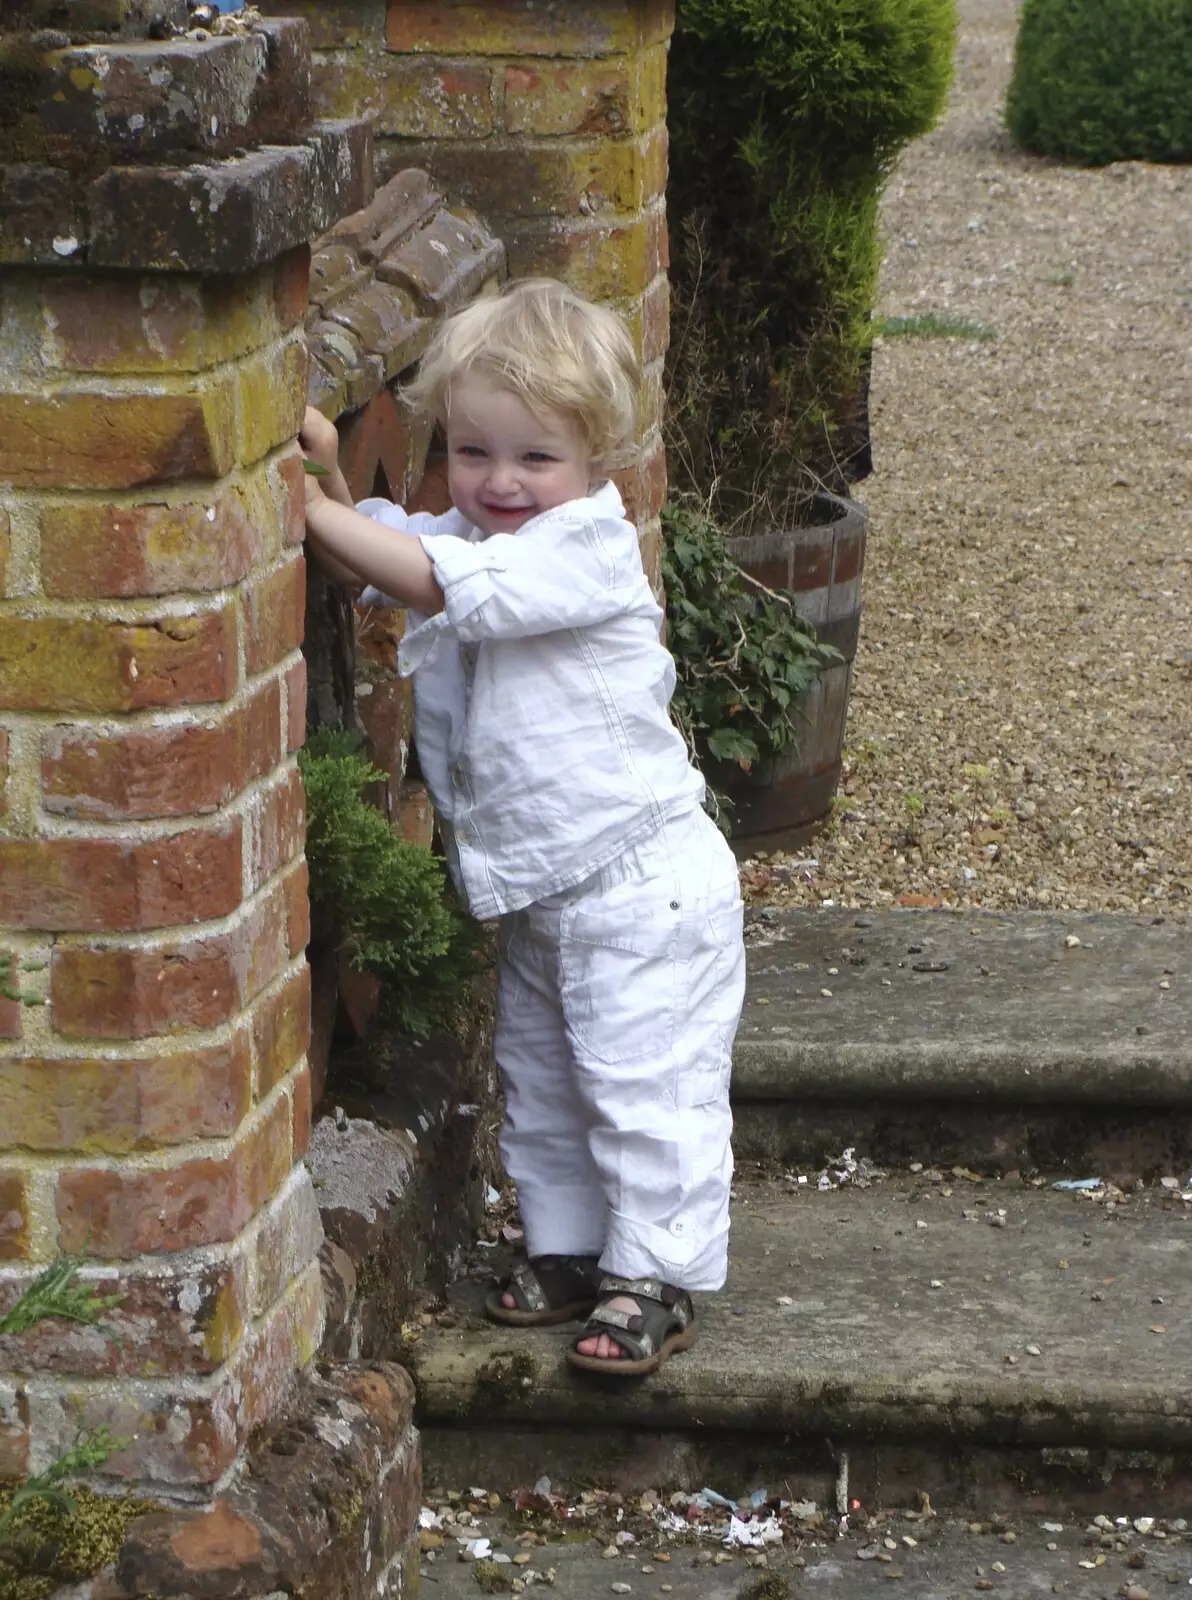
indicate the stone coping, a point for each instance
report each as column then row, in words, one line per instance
column 934, row 1005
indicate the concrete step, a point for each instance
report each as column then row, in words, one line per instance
column 998, row 1041
column 988, row 1343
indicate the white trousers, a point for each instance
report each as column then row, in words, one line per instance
column 617, row 1006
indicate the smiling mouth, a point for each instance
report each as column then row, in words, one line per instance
column 506, row 511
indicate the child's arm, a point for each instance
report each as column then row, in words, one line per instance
column 394, row 561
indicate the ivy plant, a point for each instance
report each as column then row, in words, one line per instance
column 386, row 901
column 742, row 655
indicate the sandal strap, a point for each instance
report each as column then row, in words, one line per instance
column 641, row 1332
column 525, row 1281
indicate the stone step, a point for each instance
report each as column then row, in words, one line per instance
column 1000, row 1041
column 987, row 1342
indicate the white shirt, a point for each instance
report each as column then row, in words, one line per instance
column 540, row 698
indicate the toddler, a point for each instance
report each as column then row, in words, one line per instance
column 570, row 813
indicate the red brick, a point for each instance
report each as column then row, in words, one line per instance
column 111, row 1106
column 643, row 487
column 574, row 97
column 302, row 1112
column 296, row 706
column 155, row 548
column 291, row 502
column 14, row 1215
column 655, row 320
column 274, row 615
column 10, row 1010
column 201, row 1201
column 380, row 435
column 163, row 771
column 121, row 886
column 297, row 910
column 291, row 286
column 277, row 824
column 76, row 664
column 110, row 992
column 281, row 1030
column 123, row 322
column 3, row 771
column 544, row 177
column 80, row 439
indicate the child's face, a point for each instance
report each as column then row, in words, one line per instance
column 504, row 464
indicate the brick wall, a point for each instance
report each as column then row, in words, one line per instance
column 549, row 119
column 154, row 1089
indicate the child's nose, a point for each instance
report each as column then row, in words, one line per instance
column 503, row 476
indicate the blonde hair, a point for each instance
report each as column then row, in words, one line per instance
column 556, row 351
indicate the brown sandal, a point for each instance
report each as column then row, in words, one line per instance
column 664, row 1324
column 547, row 1289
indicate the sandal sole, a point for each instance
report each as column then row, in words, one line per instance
column 620, row 1368
column 510, row 1317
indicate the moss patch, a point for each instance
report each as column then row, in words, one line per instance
column 46, row 1546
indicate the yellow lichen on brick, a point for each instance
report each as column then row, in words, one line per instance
column 84, row 439
column 415, row 97
column 272, row 398
column 515, row 28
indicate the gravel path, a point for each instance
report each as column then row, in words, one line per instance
column 1021, row 725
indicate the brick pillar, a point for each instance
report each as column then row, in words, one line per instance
column 154, row 1092
column 550, row 121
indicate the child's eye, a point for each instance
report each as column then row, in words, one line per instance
column 538, row 457
column 469, row 450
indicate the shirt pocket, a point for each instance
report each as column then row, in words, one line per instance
column 619, row 955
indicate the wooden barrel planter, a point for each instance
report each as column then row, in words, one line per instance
column 819, row 567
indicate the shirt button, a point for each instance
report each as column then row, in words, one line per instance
column 678, row 1229
column 466, row 836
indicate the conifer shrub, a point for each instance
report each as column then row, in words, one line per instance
column 785, row 116
column 1096, row 81
column 386, row 901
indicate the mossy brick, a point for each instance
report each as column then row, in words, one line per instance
column 63, row 664
column 281, row 1030
column 603, row 260
column 116, row 322
column 169, row 99
column 301, row 1094
column 113, row 991
column 274, row 615
column 41, row 214
column 295, row 680
column 204, row 1199
column 344, row 25
column 283, row 103
column 11, row 1019
column 85, row 439
column 276, row 826
column 165, row 769
column 531, row 178
column 444, row 264
column 3, row 786
column 527, row 28
column 14, row 1214
column 114, row 1105
column 600, row 97
column 234, row 215
column 5, row 549
column 66, row 885
column 14, row 1441
column 188, row 1320
column 95, row 549
column 414, row 97
column 649, row 321
column 272, row 397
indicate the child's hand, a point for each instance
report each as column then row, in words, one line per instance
column 319, row 440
